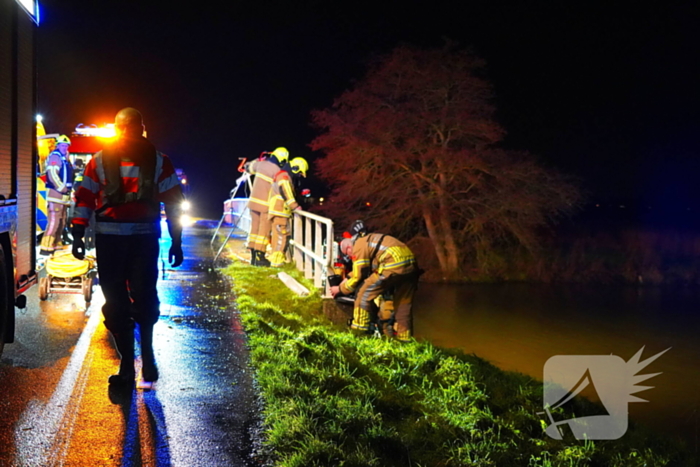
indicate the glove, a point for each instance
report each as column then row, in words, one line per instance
column 175, row 255
column 78, row 248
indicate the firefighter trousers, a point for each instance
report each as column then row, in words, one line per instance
column 128, row 270
column 401, row 286
column 54, row 227
column 280, row 240
column 259, row 236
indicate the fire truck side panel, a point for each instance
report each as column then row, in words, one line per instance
column 26, row 161
column 17, row 158
column 5, row 100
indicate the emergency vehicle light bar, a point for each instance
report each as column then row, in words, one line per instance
column 106, row 131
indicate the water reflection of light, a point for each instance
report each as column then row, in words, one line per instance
column 39, row 426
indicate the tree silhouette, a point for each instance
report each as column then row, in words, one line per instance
column 412, row 149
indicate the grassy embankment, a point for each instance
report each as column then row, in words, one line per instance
column 334, row 399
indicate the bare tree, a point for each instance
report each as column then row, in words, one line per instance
column 416, row 140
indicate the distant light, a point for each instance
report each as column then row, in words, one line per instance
column 622, row 206
column 106, row 132
column 183, row 181
column 186, row 206
column 186, row 220
column 39, row 118
column 368, row 203
column 321, row 200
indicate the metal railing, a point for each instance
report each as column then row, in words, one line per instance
column 311, row 236
column 314, row 247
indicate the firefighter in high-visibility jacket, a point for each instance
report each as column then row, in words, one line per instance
column 282, row 203
column 124, row 185
column 264, row 171
column 59, row 183
column 381, row 264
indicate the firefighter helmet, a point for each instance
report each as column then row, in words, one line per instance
column 358, row 228
column 281, row 154
column 299, row 165
column 63, row 139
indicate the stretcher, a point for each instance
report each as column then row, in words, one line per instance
column 64, row 273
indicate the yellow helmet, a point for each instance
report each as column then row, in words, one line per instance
column 299, row 165
column 281, row 154
column 63, row 139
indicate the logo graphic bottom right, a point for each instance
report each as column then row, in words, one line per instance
column 604, row 378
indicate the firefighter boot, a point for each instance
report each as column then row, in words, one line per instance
column 253, row 257
column 149, row 369
column 125, row 345
column 261, row 260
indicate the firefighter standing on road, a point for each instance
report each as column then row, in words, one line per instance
column 59, row 182
column 258, row 204
column 282, row 203
column 387, row 265
column 124, row 185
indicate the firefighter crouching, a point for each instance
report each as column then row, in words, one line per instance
column 282, row 203
column 59, row 183
column 124, row 185
column 388, row 266
column 258, row 203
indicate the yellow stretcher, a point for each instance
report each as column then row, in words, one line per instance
column 63, row 273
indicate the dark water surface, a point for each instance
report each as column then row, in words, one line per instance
column 520, row 326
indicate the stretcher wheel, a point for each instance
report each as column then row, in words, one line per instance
column 87, row 289
column 44, row 287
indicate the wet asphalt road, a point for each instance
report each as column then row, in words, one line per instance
column 55, row 407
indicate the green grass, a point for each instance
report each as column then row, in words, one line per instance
column 332, row 398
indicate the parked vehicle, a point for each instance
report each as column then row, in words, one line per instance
column 18, row 159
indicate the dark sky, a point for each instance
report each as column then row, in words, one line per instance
column 606, row 93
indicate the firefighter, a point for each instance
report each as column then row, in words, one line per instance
column 123, row 185
column 381, row 264
column 59, row 183
column 258, row 204
column 282, row 202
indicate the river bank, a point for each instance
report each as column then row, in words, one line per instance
column 584, row 253
column 335, row 398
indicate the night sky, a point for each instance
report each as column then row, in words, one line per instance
column 609, row 94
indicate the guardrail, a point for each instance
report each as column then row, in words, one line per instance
column 314, row 246
column 311, row 235
column 236, row 213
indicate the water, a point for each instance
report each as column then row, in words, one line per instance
column 519, row 327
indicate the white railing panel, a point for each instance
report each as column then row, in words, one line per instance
column 314, row 247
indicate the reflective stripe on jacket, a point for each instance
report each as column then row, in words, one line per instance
column 282, row 201
column 264, row 171
column 130, row 218
column 59, row 178
column 393, row 257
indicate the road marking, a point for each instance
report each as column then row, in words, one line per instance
column 43, row 433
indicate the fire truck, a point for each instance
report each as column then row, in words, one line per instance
column 18, row 158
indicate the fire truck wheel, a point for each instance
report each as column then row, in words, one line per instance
column 44, row 287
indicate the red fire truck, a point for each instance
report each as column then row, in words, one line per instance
column 18, row 158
